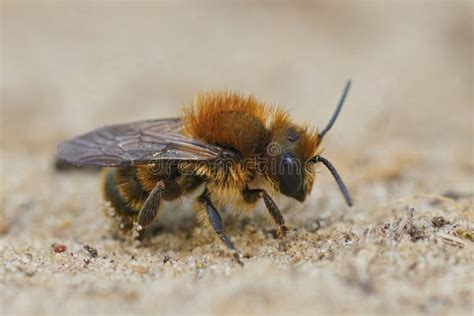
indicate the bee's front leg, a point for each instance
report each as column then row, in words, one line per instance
column 216, row 222
column 253, row 195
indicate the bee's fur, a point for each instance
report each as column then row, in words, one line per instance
column 226, row 150
column 229, row 120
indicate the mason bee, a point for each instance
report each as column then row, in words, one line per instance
column 229, row 148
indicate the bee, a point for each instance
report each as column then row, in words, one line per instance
column 233, row 150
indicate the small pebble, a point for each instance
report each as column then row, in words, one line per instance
column 91, row 250
column 58, row 248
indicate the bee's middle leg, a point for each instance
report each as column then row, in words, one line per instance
column 216, row 222
column 253, row 195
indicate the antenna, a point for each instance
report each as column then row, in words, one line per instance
column 336, row 176
column 338, row 109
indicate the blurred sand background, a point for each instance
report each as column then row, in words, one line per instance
column 404, row 140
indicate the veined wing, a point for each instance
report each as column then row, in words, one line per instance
column 137, row 143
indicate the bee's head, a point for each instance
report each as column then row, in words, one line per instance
column 289, row 148
column 292, row 152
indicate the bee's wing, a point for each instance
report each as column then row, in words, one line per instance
column 136, row 143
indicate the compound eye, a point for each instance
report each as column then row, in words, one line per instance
column 291, row 178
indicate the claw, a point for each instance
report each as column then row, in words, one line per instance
column 282, row 231
column 237, row 257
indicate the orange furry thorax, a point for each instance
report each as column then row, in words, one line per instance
column 230, row 119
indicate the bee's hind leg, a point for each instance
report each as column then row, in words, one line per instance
column 150, row 208
column 216, row 222
column 253, row 195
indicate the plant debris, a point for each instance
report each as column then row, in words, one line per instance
column 166, row 258
column 439, row 221
column 466, row 234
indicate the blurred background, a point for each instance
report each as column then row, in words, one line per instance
column 68, row 67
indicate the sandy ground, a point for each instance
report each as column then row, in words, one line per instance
column 404, row 145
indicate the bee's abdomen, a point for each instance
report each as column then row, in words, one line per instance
column 132, row 190
column 113, row 194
